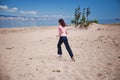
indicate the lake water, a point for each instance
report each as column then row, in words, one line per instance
column 39, row 23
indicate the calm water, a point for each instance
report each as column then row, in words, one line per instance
column 109, row 21
column 31, row 23
column 26, row 23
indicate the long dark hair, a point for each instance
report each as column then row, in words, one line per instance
column 62, row 22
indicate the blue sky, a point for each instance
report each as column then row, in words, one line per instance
column 100, row 9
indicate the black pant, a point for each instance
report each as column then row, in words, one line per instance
column 63, row 39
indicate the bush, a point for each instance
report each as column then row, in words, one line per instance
column 86, row 24
column 73, row 21
column 94, row 21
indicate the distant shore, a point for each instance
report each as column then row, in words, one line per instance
column 117, row 24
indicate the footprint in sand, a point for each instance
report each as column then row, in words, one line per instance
column 30, row 58
column 10, row 48
column 36, row 69
column 27, row 64
column 99, row 75
column 7, row 78
column 109, row 63
column 118, row 57
column 56, row 71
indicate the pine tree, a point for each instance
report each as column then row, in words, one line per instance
column 87, row 12
column 76, row 16
column 83, row 17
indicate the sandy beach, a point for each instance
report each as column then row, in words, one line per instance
column 31, row 54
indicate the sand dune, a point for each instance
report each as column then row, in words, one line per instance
column 30, row 54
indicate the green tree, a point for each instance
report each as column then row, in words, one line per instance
column 83, row 20
column 87, row 12
column 76, row 16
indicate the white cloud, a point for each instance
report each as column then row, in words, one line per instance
column 3, row 7
column 29, row 12
column 13, row 10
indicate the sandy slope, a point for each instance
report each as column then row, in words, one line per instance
column 30, row 54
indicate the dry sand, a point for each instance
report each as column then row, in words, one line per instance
column 31, row 54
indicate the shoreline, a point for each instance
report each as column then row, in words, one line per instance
column 57, row 25
column 110, row 24
column 18, row 29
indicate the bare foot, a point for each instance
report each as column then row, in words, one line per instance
column 73, row 59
